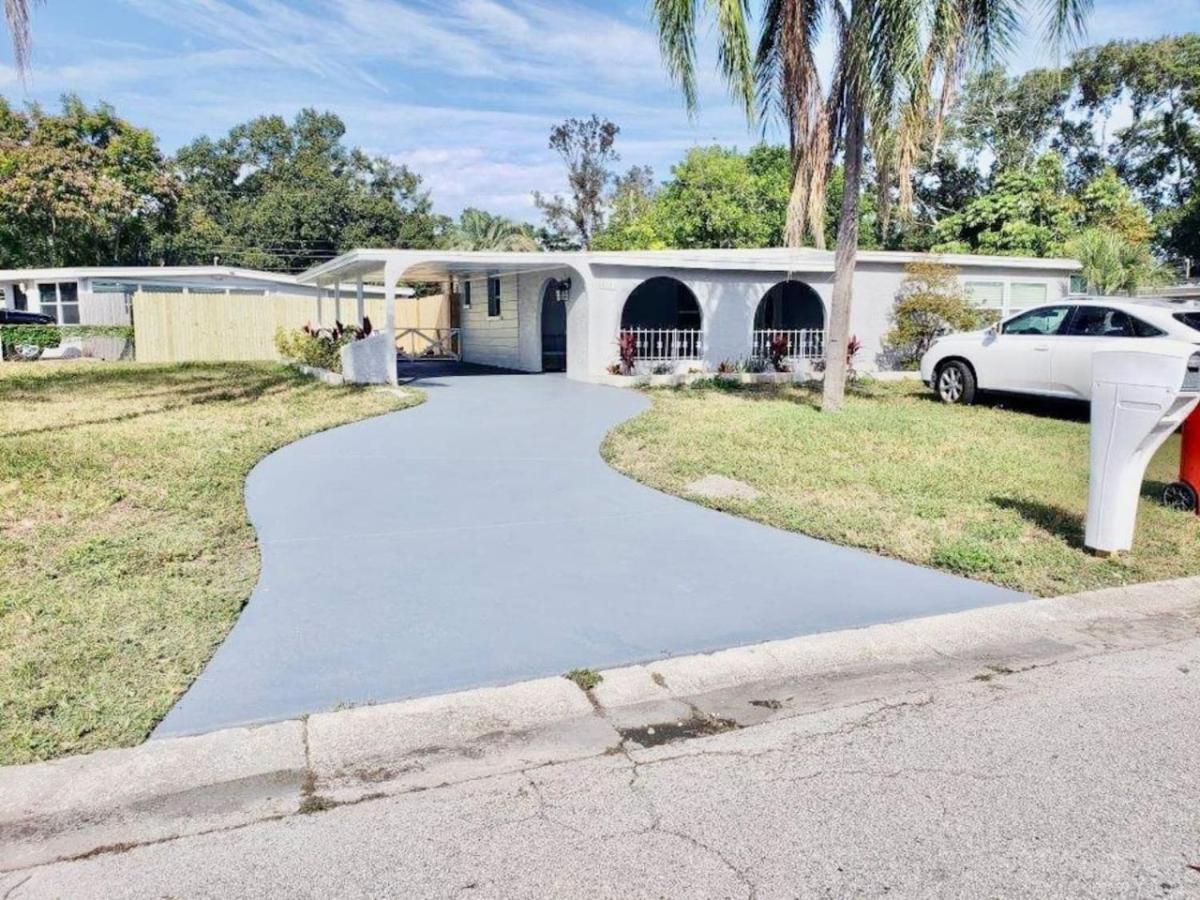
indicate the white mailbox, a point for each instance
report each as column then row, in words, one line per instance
column 1141, row 393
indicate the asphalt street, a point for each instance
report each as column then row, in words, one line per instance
column 1079, row 778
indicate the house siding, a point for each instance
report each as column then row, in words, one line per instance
column 493, row 340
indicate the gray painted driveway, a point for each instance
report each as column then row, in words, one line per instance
column 480, row 539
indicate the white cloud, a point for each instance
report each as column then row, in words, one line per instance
column 470, row 176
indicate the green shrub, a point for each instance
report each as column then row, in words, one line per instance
column 44, row 336
column 319, row 347
column 930, row 303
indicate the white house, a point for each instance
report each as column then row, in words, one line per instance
column 685, row 309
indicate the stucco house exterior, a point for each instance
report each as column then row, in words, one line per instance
column 686, row 310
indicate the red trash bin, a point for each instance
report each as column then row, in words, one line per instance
column 1185, row 493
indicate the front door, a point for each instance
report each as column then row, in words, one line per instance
column 554, row 330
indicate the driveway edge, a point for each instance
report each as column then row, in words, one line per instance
column 115, row 799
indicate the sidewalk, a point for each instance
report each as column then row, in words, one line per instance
column 100, row 805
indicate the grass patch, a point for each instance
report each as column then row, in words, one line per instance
column 993, row 492
column 586, row 679
column 127, row 553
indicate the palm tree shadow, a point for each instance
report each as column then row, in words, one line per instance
column 187, row 387
column 1067, row 526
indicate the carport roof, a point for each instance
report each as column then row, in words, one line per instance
column 439, row 265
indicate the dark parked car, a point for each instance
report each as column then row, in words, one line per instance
column 21, row 317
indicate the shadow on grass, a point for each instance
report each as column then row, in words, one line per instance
column 1042, row 407
column 181, row 386
column 1064, row 525
column 804, row 393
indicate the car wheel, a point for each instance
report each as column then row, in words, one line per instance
column 955, row 383
column 1181, row 496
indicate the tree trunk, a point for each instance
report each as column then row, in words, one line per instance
column 797, row 209
column 837, row 335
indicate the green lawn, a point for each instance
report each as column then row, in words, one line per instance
column 126, row 553
column 997, row 494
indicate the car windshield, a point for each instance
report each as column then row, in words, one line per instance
column 1190, row 319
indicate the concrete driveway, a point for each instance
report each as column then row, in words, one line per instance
column 480, row 539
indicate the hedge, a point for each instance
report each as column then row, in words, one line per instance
column 52, row 335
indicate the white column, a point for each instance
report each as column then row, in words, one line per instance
column 359, row 303
column 320, row 309
column 337, row 301
column 391, row 274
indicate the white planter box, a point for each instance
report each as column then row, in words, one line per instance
column 370, row 361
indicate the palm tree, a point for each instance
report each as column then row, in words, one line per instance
column 1112, row 264
column 17, row 13
column 890, row 54
column 481, row 230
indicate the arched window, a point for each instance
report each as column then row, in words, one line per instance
column 789, row 322
column 661, row 319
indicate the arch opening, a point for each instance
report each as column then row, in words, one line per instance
column 661, row 321
column 789, row 323
column 790, row 306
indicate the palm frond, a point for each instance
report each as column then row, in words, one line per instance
column 1066, row 21
column 733, row 50
column 676, row 21
column 18, row 13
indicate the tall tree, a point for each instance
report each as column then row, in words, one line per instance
column 278, row 195
column 885, row 59
column 716, row 197
column 586, row 147
column 83, row 187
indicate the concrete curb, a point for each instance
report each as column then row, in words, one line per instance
column 115, row 799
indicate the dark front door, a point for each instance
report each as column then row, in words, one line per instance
column 554, row 331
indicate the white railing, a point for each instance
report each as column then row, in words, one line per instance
column 804, row 343
column 665, row 344
column 429, row 343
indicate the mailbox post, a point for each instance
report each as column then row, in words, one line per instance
column 1140, row 395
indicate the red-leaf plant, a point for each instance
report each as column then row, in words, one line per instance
column 777, row 352
column 627, row 349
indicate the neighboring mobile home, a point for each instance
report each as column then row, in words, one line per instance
column 685, row 310
column 102, row 295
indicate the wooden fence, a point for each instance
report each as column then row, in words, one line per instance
column 200, row 327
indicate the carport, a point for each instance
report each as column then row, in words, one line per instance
column 511, row 310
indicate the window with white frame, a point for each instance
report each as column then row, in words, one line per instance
column 1025, row 294
column 986, row 294
column 60, row 300
column 493, row 297
column 1078, row 284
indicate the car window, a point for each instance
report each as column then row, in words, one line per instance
column 1045, row 320
column 1190, row 319
column 1102, row 321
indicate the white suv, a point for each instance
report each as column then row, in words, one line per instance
column 1048, row 350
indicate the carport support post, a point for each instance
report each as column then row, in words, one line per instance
column 358, row 301
column 391, row 274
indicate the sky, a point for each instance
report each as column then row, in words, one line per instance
column 464, row 92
